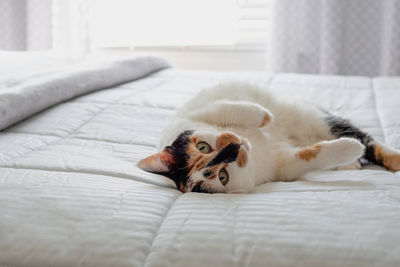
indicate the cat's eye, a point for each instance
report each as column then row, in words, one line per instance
column 223, row 176
column 203, row 147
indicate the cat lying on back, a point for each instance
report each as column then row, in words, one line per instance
column 234, row 137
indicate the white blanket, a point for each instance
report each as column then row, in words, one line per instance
column 71, row 195
column 20, row 98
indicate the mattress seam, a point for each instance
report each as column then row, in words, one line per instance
column 83, row 138
column 60, row 138
column 158, row 230
column 127, row 177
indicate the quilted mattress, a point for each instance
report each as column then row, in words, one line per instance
column 71, row 194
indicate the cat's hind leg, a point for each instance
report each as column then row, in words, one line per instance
column 324, row 155
column 376, row 152
column 384, row 155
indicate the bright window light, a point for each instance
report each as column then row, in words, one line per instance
column 122, row 23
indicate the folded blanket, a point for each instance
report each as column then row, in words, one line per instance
column 23, row 98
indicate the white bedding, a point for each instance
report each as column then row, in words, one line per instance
column 71, row 195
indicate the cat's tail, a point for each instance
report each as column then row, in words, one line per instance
column 375, row 152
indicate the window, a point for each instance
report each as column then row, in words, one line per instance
column 238, row 24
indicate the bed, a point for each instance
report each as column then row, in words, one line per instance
column 71, row 194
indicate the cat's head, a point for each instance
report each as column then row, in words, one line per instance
column 204, row 162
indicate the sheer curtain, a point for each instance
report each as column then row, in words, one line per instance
column 25, row 24
column 60, row 25
column 71, row 26
column 348, row 37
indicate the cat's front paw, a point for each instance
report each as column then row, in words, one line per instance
column 243, row 155
column 266, row 117
column 232, row 138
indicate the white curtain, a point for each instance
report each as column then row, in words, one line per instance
column 71, row 26
column 348, row 37
column 60, row 25
column 25, row 24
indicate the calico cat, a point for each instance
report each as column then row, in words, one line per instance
column 236, row 136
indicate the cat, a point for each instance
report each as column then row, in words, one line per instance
column 235, row 136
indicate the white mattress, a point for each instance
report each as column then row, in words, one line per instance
column 71, row 195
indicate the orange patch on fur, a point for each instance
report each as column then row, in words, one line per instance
column 309, row 153
column 390, row 161
column 265, row 121
column 193, row 139
column 242, row 157
column 197, row 160
column 225, row 139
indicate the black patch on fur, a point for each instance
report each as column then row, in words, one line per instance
column 199, row 189
column 369, row 154
column 340, row 127
column 179, row 171
column 343, row 128
column 226, row 155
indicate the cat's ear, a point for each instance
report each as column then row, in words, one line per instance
column 158, row 163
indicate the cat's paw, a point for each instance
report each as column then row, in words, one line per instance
column 390, row 158
column 266, row 117
column 394, row 162
column 265, row 121
column 356, row 165
column 231, row 138
column 346, row 150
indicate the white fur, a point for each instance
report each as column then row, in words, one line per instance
column 241, row 108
